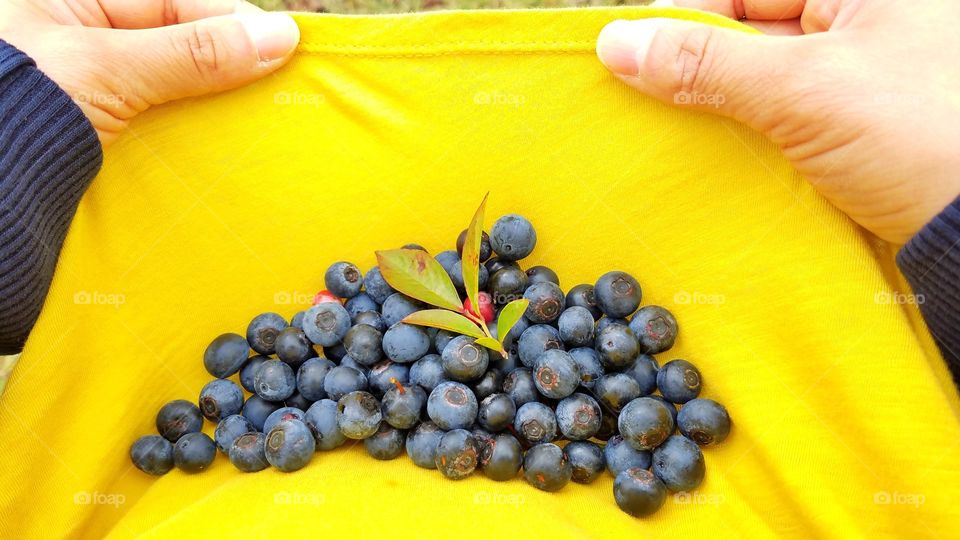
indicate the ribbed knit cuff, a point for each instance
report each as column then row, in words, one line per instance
column 931, row 263
column 49, row 154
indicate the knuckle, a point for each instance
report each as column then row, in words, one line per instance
column 203, row 47
column 694, row 61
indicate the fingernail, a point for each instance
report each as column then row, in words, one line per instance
column 274, row 34
column 623, row 44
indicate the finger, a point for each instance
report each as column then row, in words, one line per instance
column 136, row 14
column 778, row 28
column 819, row 15
column 755, row 10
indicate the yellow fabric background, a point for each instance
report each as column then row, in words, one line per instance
column 386, row 130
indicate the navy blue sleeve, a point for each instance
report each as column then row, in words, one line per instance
column 49, row 154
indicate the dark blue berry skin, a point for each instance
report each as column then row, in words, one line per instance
column 456, row 276
column 384, row 376
column 678, row 463
column 638, row 492
column 335, row 352
column 256, row 410
column 225, row 355
column 484, row 440
column 513, row 336
column 364, row 344
column 360, row 303
column 655, row 327
column 546, row 467
column 542, row 274
column 457, row 454
column 452, row 405
column 326, row 323
column 370, row 318
column 670, row 406
column 263, row 330
column 607, row 321
column 447, row 259
column 289, row 446
column 396, row 307
column 644, row 371
column 342, row 380
column 293, row 347
column 402, row 405
column 405, row 343
column 502, row 458
column 495, row 264
column 608, row 426
column 177, row 418
column 376, row 286
column 489, row 383
column 281, row 414
column 546, row 302
column 441, row 339
column 463, row 360
column 615, row 390
column 512, row 237
column 679, row 381
column 152, row 454
column 586, row 460
column 275, row 381
column 387, row 443
column 249, row 371
column 321, row 418
column 704, row 421
column 582, row 295
column 556, row 374
column 247, row 452
column 343, row 279
column 617, row 346
column 194, row 452
column 507, row 285
column 535, row 423
column 427, row 372
column 588, row 362
column 578, row 417
column 645, row 423
column 229, row 429
column 485, row 250
column 519, row 385
column 496, row 412
column 220, row 398
column 617, row 294
column 576, row 326
column 620, row 456
column 535, row 340
column 348, row 361
column 310, row 378
column 422, row 444
column 358, row 415
column 508, row 364
column 297, row 401
column 297, row 320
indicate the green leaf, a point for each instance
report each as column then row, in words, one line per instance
column 509, row 316
column 444, row 320
column 491, row 343
column 418, row 275
column 470, row 259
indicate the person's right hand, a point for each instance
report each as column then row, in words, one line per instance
column 866, row 104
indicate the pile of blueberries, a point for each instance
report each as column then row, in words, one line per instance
column 579, row 391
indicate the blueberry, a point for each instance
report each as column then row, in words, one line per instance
column 427, row 372
column 617, row 294
column 556, row 374
column 608, row 426
column 678, row 463
column 194, row 452
column 485, row 250
column 582, row 295
column 297, row 401
column 386, row 443
column 535, row 340
column 386, row 375
column 457, row 454
column 513, row 336
column 620, row 456
column 456, row 275
column 506, row 364
column 496, row 412
column 441, row 339
column 289, row 445
column 546, row 302
column 638, row 492
column 297, row 320
column 358, row 415
column 293, row 347
column 225, row 355
column 447, row 259
column 655, row 328
column 546, row 467
column 256, row 410
column 463, row 360
column 670, row 406
column 335, row 352
column 452, row 405
column 586, row 460
column 275, row 381
column 402, row 405
column 645, row 423
column 512, row 237
column 326, row 324
column 310, row 378
column 348, row 361
column 321, row 419
column 405, row 343
column 247, row 452
column 343, row 279
column 519, row 385
column 363, row 344
column 249, row 371
column 679, row 381
column 578, row 417
column 617, row 346
column 396, row 307
column 495, row 264
column 644, row 371
column 535, row 423
column 360, row 303
column 370, row 318
column 501, row 458
column 507, row 285
column 281, row 414
column 152, row 454
column 177, row 418
column 489, row 383
column 607, row 321
column 576, row 326
column 588, row 362
column 422, row 444
column 342, row 380
column 615, row 390
column 704, row 421
column 229, row 429
column 220, row 398
column 263, row 330
column 376, row 286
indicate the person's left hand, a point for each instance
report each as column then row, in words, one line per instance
column 116, row 58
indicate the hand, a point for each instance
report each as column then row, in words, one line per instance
column 116, row 58
column 862, row 96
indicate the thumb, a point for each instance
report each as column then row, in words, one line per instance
column 701, row 67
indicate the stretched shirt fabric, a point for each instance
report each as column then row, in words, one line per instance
column 386, row 130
